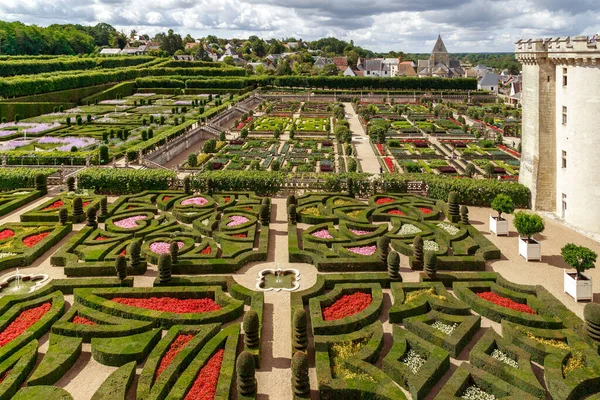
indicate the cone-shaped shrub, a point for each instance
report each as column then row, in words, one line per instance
column 265, row 215
column 41, row 183
column 291, row 199
column 77, row 207
column 63, row 215
column 453, row 203
column 292, row 214
column 246, row 383
column 121, row 267
column 103, row 206
column 418, row 248
column 350, row 186
column 91, row 217
column 209, row 186
column 383, row 244
column 187, row 185
column 464, row 215
column 134, row 251
column 71, row 183
column 393, row 263
column 300, row 381
column 174, row 251
column 430, row 263
column 164, row 268
column 300, row 333
column 267, row 202
column 251, row 327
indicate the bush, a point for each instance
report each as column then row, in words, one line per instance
column 300, row 381
column 292, row 217
column 393, row 263
column 528, row 224
column 63, row 215
column 418, row 249
column 164, row 268
column 503, row 204
column 430, row 263
column 77, row 207
column 579, row 257
column 103, row 154
column 121, row 267
column 71, row 183
column 464, row 215
column 383, row 244
column 41, row 183
column 246, row 383
column 124, row 181
column 251, row 326
column 174, row 251
column 470, row 170
column 300, row 339
column 210, row 146
column 134, row 251
column 91, row 217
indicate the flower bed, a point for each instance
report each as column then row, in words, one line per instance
column 79, row 320
column 425, row 210
column 163, row 247
column 170, row 304
column 380, row 148
column 240, row 235
column 413, row 361
column 54, row 206
column 444, row 328
column 23, row 322
column 174, row 349
column 322, row 234
column 32, row 240
column 505, row 302
column 505, row 358
column 363, row 250
column 129, row 223
column 194, row 201
column 6, row 233
column 396, row 212
column 237, row 220
column 205, row 385
column 206, row 250
column 408, row 229
column 389, row 164
column 475, row 393
column 347, row 305
column 314, row 211
column 430, row 245
column 450, row 229
column 384, row 200
column 360, row 232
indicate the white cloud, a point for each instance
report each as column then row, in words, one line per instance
column 380, row 25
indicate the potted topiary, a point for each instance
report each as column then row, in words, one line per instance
column 528, row 225
column 502, row 204
column 581, row 258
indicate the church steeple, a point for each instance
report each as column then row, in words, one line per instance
column 439, row 46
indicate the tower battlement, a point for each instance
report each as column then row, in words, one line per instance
column 568, row 50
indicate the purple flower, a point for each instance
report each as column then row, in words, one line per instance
column 363, row 250
column 196, row 201
column 237, row 220
column 162, row 247
column 322, row 234
column 129, row 223
column 359, row 232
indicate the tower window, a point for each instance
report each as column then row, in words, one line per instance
column 564, row 159
column 564, row 77
column 564, row 115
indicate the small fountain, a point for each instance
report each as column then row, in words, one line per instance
column 278, row 279
column 21, row 284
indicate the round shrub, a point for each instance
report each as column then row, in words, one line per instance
column 63, row 215
column 121, row 267
column 246, row 383
column 591, row 313
column 393, row 264
column 528, row 224
column 300, row 381
column 251, row 328
column 292, row 217
column 430, row 263
column 300, row 332
column 91, row 217
column 77, row 207
column 503, row 204
column 164, row 268
column 134, row 251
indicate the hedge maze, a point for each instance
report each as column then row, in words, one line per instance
column 438, row 347
column 336, row 232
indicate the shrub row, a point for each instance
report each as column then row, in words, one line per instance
column 15, row 178
column 10, row 203
column 122, row 181
column 123, row 88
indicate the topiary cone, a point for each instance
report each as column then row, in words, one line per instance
column 174, row 251
column 41, row 183
column 350, row 187
column 300, row 381
column 418, row 249
column 164, row 268
column 291, row 199
column 393, row 263
column 91, row 217
column 430, row 263
column 121, row 267
column 103, row 206
column 265, row 215
column 251, row 328
column 246, row 383
column 300, row 332
column 77, row 207
column 63, row 215
column 187, row 185
column 209, row 186
column 292, row 217
column 453, row 208
column 134, row 251
column 464, row 215
column 383, row 244
column 71, row 183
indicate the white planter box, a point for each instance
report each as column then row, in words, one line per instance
column 578, row 289
column 530, row 251
column 498, row 226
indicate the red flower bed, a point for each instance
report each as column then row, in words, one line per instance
column 206, row 250
column 123, row 252
column 505, row 302
column 380, row 148
column 384, row 200
column 240, row 235
column 455, row 121
column 170, row 304
column 425, row 210
column 166, row 198
column 5, row 234
column 85, row 203
column 240, row 126
column 54, row 206
column 205, row 385
column 100, row 238
column 174, row 349
column 389, row 163
column 32, row 240
column 347, row 305
column 510, row 151
column 23, row 322
column 226, row 199
column 82, row 321
column 4, row 375
column 396, row 212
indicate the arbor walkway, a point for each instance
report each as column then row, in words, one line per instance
column 365, row 155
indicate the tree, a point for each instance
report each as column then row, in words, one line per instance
column 528, row 224
column 329, row 70
column 119, row 39
column 579, row 257
column 171, row 42
column 229, row 60
column 503, row 204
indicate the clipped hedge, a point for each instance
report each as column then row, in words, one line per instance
column 18, row 366
column 116, row 352
column 260, row 182
column 62, row 354
column 124, row 181
column 10, row 201
column 15, row 178
column 116, row 385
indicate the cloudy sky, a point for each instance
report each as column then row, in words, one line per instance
column 380, row 25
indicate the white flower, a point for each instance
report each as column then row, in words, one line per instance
column 475, row 393
column 430, row 245
column 413, row 361
column 505, row 358
column 444, row 328
column 4, row 255
column 451, row 229
column 408, row 229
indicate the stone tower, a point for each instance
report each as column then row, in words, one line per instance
column 439, row 54
column 561, row 119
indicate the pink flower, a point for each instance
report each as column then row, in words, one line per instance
column 322, row 234
column 237, row 220
column 129, row 223
column 196, row 201
column 364, row 250
column 162, row 247
column 359, row 232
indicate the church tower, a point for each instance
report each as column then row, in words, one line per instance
column 439, row 54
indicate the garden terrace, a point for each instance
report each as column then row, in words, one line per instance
column 268, row 124
column 307, row 125
column 316, row 108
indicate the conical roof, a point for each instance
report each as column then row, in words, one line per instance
column 439, row 46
